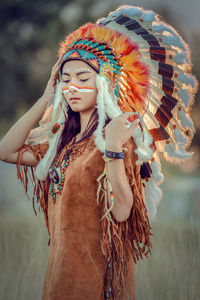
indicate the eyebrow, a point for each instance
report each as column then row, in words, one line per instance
column 79, row 73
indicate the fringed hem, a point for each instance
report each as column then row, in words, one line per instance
column 117, row 237
column 39, row 187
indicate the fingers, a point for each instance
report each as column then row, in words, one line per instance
column 129, row 117
column 134, row 124
column 57, row 64
column 131, row 120
column 55, row 69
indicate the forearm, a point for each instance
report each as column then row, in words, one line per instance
column 17, row 135
column 123, row 197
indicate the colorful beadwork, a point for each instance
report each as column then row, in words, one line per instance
column 111, row 196
column 115, row 155
column 55, row 128
column 57, row 177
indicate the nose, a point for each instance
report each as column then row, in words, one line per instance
column 72, row 88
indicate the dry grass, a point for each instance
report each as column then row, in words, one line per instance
column 171, row 272
column 23, row 257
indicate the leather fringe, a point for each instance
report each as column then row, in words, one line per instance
column 116, row 237
column 39, row 187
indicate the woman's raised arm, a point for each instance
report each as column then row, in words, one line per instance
column 18, row 133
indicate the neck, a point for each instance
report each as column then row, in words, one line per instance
column 84, row 119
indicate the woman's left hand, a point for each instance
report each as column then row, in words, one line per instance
column 117, row 133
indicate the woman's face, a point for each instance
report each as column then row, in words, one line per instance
column 79, row 85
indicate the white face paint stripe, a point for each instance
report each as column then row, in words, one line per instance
column 79, row 89
column 82, row 70
column 77, row 70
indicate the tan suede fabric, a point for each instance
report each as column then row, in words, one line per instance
column 76, row 265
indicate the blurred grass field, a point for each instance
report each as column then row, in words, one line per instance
column 171, row 272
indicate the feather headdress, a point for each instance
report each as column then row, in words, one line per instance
column 146, row 65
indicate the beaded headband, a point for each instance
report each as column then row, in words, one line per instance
column 115, row 57
column 102, row 67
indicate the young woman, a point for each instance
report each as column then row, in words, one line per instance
column 117, row 94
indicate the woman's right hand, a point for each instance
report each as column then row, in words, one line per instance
column 49, row 90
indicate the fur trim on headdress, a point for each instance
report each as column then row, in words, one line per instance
column 58, row 117
column 107, row 106
column 153, row 193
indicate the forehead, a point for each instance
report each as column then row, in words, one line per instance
column 76, row 66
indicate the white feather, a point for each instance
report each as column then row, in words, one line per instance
column 45, row 163
column 180, row 138
column 181, row 58
column 143, row 141
column 162, row 27
column 130, row 11
column 153, row 195
column 149, row 200
column 57, row 117
column 187, row 79
column 149, row 16
column 174, row 155
column 111, row 107
column 185, row 121
column 156, row 172
column 184, row 96
column 99, row 139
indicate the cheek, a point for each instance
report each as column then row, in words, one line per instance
column 66, row 98
column 65, row 88
column 93, row 98
column 65, row 92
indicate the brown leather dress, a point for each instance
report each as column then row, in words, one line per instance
column 76, row 264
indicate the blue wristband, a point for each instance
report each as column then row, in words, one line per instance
column 116, row 155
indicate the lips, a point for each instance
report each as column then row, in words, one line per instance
column 74, row 99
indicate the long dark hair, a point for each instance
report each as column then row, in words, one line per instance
column 73, row 127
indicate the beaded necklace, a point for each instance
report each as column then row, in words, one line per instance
column 57, row 176
column 57, row 173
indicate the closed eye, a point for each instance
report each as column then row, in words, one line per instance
column 83, row 80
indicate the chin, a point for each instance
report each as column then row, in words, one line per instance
column 82, row 110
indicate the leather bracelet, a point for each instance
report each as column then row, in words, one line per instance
column 114, row 155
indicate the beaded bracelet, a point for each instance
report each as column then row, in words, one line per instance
column 114, row 155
